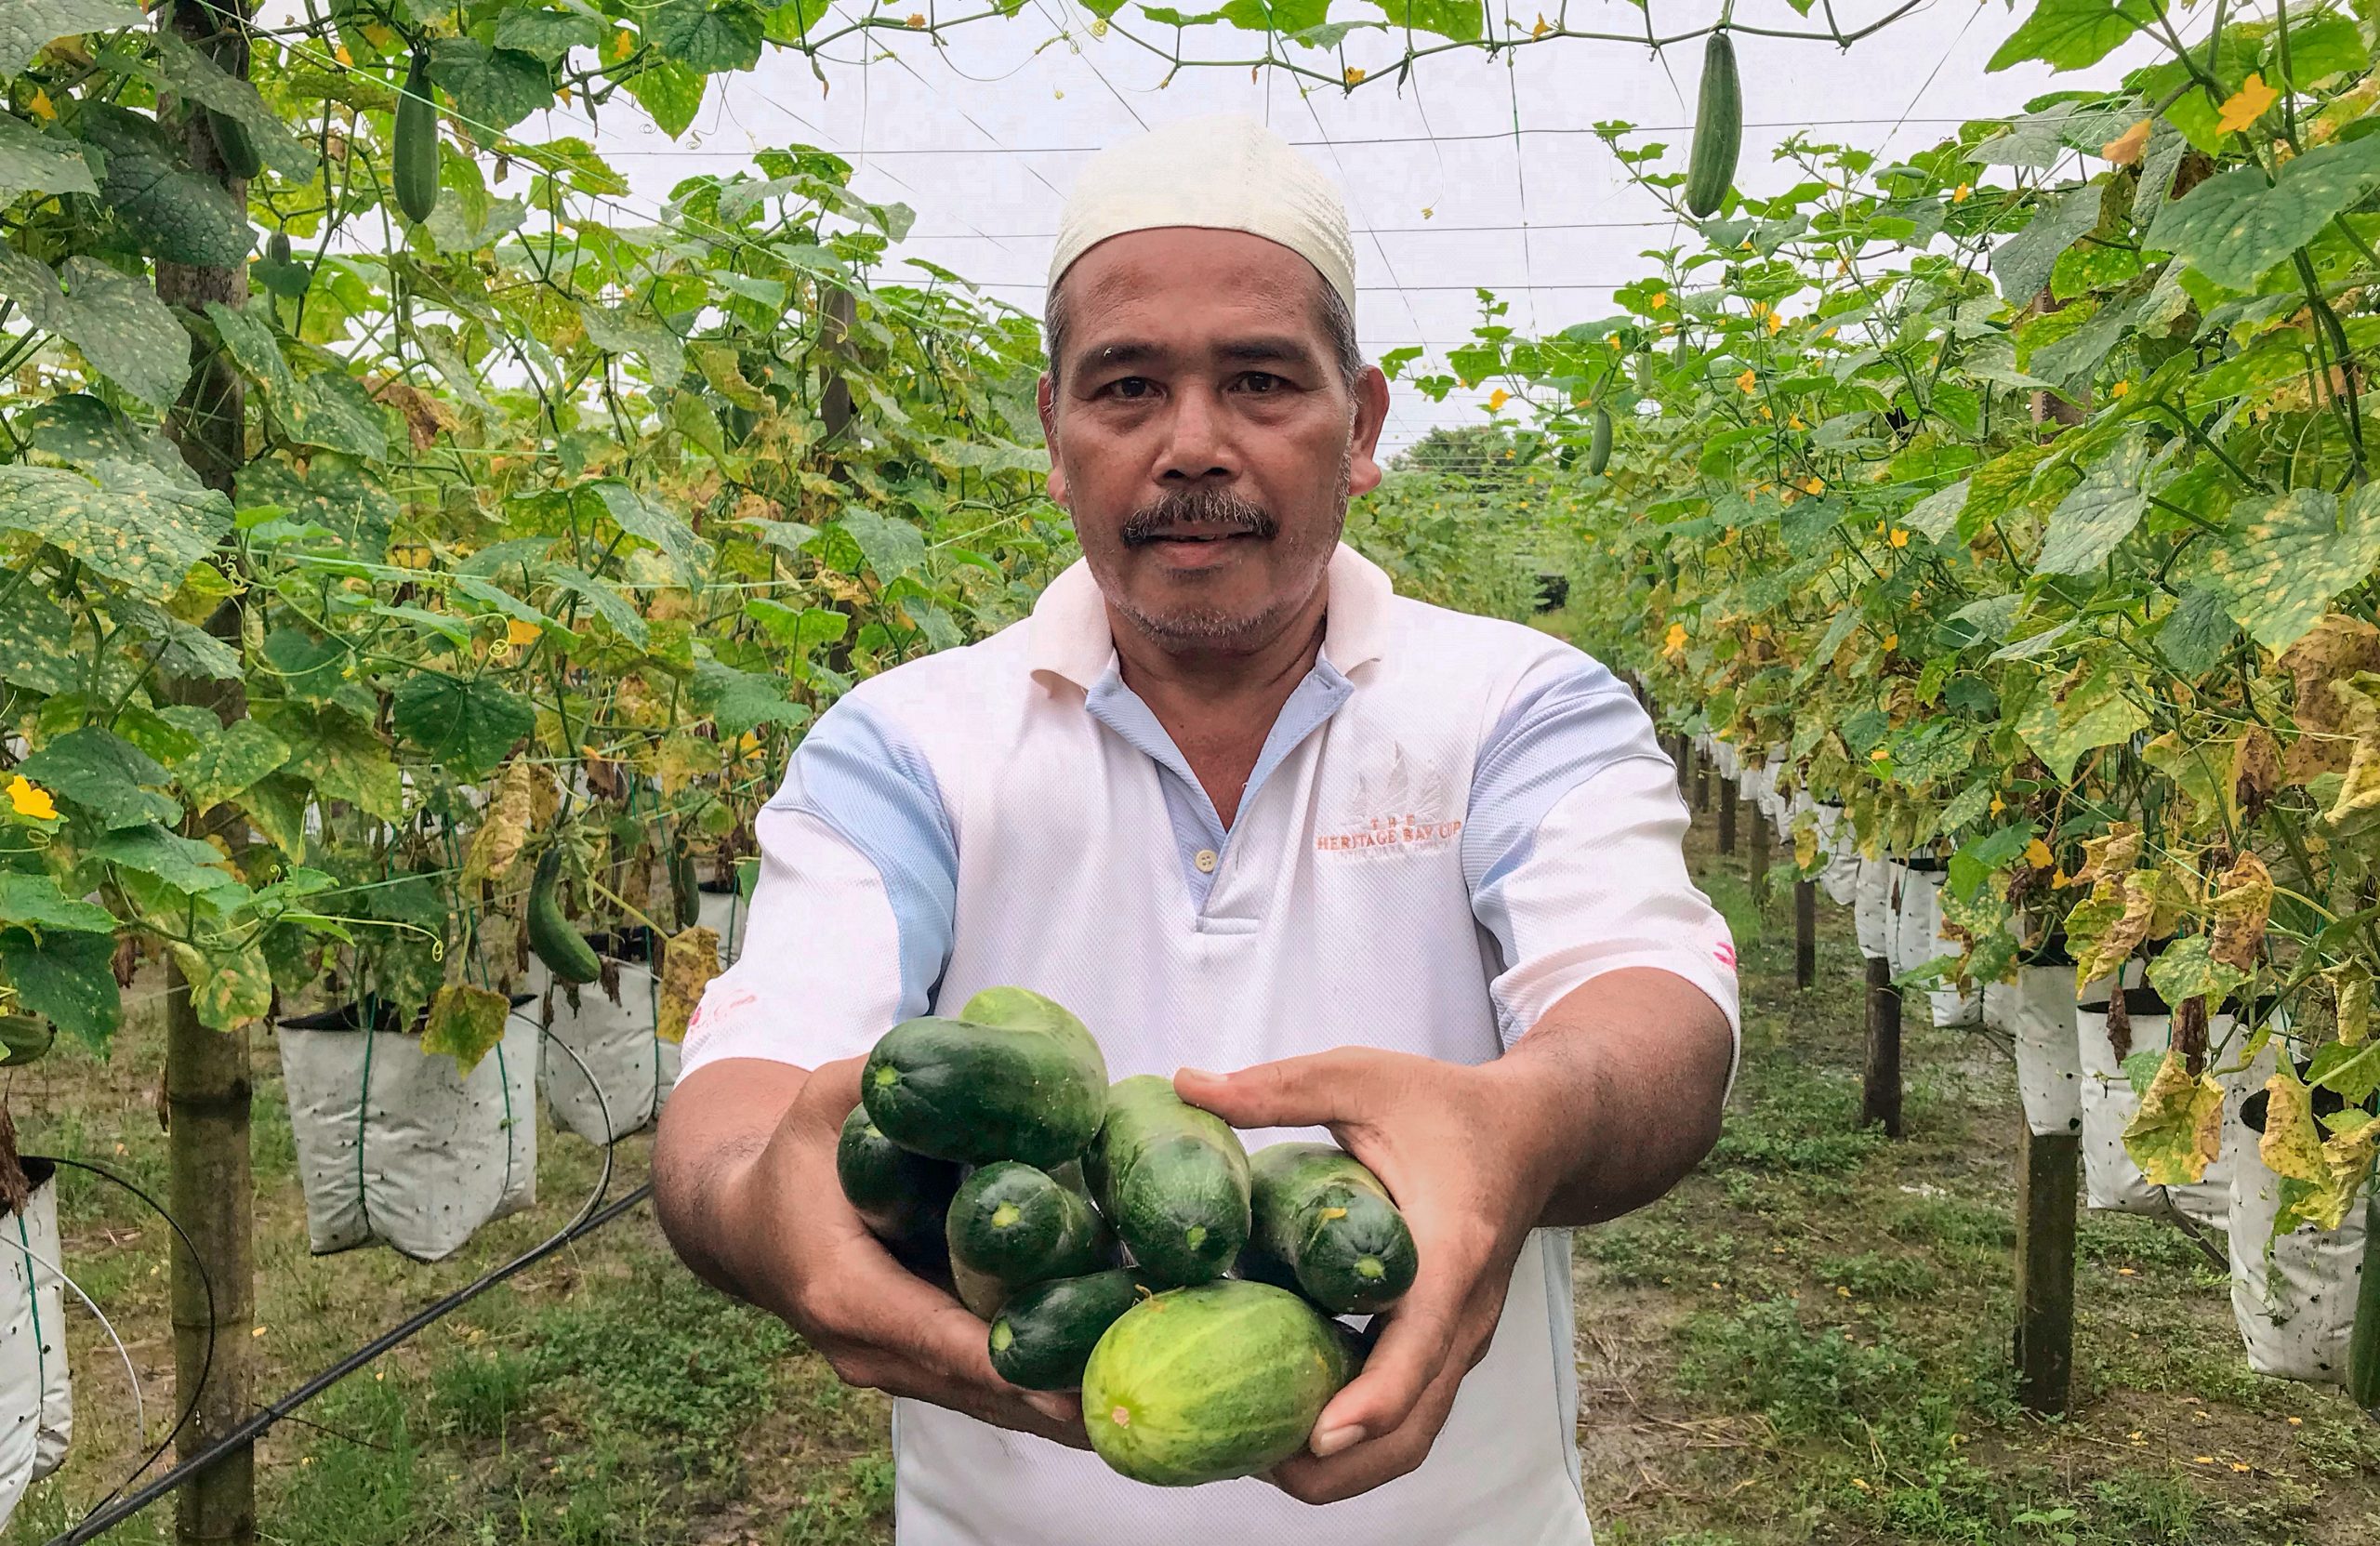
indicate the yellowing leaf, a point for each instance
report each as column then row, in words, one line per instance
column 2111, row 854
column 30, row 799
column 2179, row 1129
column 2242, row 906
column 2245, row 105
column 379, row 36
column 505, row 827
column 465, row 1023
column 2292, row 1144
column 2351, row 985
column 688, row 963
column 2127, row 147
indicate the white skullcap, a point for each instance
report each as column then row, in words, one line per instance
column 1225, row 172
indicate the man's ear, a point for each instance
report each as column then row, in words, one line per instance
column 1371, row 417
column 1046, row 404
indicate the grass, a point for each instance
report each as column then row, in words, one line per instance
column 1806, row 1343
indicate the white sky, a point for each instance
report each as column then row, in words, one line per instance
column 982, row 136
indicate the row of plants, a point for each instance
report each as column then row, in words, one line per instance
column 2018, row 494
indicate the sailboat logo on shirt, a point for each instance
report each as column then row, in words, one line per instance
column 1394, row 809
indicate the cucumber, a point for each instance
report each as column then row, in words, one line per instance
column 560, row 946
column 278, row 247
column 901, row 1196
column 1319, row 1214
column 685, row 892
column 1718, row 130
column 1043, row 1335
column 1012, row 1077
column 414, row 153
column 2364, row 1347
column 1173, row 1179
column 237, row 147
column 1018, row 1226
column 1599, row 449
column 1201, row 1384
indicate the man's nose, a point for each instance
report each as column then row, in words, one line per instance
column 1199, row 448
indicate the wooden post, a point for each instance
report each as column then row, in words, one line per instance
column 2046, row 1168
column 1701, row 781
column 1756, row 856
column 1805, row 933
column 210, row 1187
column 1880, row 1092
column 838, row 310
column 1726, row 815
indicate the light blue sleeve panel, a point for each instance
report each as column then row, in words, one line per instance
column 852, row 917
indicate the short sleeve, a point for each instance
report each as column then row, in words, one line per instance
column 1574, row 851
column 851, row 915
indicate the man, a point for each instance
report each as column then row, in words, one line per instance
column 1414, row 874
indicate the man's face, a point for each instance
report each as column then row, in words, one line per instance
column 1201, row 435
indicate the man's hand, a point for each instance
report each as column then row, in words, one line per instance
column 879, row 1325
column 1465, row 1152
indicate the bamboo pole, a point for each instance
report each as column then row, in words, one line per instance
column 1805, row 933
column 1726, row 815
column 2046, row 1168
column 1880, row 1090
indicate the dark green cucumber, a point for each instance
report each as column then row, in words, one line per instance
column 1011, row 1076
column 685, row 890
column 1044, row 1332
column 1322, row 1215
column 413, row 155
column 1718, row 130
column 558, row 943
column 1173, row 1180
column 1021, row 1225
column 2364, row 1346
column 278, row 248
column 1599, row 449
column 235, row 144
column 901, row 1196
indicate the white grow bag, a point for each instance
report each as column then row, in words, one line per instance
column 609, row 1073
column 1919, row 939
column 1871, row 909
column 37, row 1398
column 2049, row 1061
column 1724, row 755
column 726, row 912
column 2111, row 1180
column 1841, row 876
column 2293, row 1298
column 1772, row 802
column 394, row 1144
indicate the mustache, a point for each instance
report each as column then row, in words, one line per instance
column 1207, row 509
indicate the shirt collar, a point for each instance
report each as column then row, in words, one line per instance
column 1071, row 638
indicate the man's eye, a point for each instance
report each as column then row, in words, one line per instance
column 1131, row 387
column 1260, row 382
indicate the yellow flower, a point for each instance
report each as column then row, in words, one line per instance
column 1428, row 210
column 1497, row 398
column 1543, row 26
column 1892, row 641
column 1794, row 421
column 1998, row 805
column 2120, row 388
column 1355, row 74
column 561, row 95
column 1747, row 383
column 2037, row 854
column 1900, row 538
column 1776, row 324
column 1878, row 755
column 1766, row 414
column 1964, row 192
column 1659, row 299
column 2127, row 147
column 517, row 632
column 1677, row 639
column 623, row 44
column 1613, row 340
column 41, row 107
column 2246, row 105
column 917, row 19
column 31, row 800
column 344, row 57
column 1813, row 484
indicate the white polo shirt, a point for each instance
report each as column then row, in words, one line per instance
column 1454, row 823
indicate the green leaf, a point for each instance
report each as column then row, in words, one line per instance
column 184, row 864
column 333, row 492
column 493, row 88
column 670, row 91
column 2072, row 35
column 132, row 526
column 2100, row 513
column 37, row 645
column 2284, row 556
column 469, row 726
column 606, row 603
column 34, row 901
column 624, row 331
column 1463, row 20
column 228, row 762
column 650, row 523
column 465, row 1023
column 1936, row 515
column 2095, row 713
column 190, row 76
column 340, row 755
column 29, row 26
column 331, row 409
column 249, row 340
column 738, row 701
column 800, row 629
column 173, row 213
column 2235, row 227
column 548, row 34
column 105, row 774
column 2197, row 632
column 78, row 428
column 32, row 162
column 890, row 547
column 707, row 38
column 2022, row 262
column 182, row 649
column 2187, row 968
column 67, row 977
column 2353, row 1072
column 1280, row 16
column 120, row 326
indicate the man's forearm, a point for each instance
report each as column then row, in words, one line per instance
column 1623, row 1082
column 712, row 1133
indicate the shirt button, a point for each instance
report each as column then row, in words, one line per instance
column 1205, row 860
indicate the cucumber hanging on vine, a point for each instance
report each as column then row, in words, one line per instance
column 415, row 155
column 2364, row 1346
column 1599, row 448
column 236, row 145
column 1718, row 130
column 279, row 249
column 561, row 948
